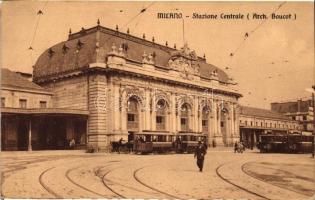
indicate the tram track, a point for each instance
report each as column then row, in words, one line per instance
column 259, row 179
column 67, row 175
column 236, row 185
column 110, row 188
column 150, row 187
column 45, row 186
column 106, row 182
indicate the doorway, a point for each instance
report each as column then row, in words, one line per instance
column 22, row 136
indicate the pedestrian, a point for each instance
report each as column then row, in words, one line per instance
column 200, row 153
column 235, row 147
column 72, row 143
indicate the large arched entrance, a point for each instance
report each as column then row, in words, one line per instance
column 161, row 115
column 185, row 112
column 224, row 124
column 205, row 119
column 132, row 117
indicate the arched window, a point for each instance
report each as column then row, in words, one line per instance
column 161, row 108
column 132, row 114
column 205, row 119
column 184, row 117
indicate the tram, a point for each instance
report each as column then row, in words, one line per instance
column 164, row 142
column 153, row 142
column 187, row 142
column 286, row 143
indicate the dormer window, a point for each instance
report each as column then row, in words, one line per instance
column 79, row 44
column 65, row 49
column 51, row 52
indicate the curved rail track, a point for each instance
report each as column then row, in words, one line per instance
column 150, row 187
column 238, row 186
column 108, row 187
column 247, row 173
column 79, row 185
column 44, row 185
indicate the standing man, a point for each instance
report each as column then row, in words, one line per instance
column 235, row 147
column 200, row 153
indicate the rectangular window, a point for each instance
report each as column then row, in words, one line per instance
column 204, row 122
column 2, row 102
column 293, row 117
column 131, row 117
column 43, row 104
column 159, row 119
column 23, row 103
column 183, row 121
column 222, row 124
column 256, row 123
column 251, row 123
column 261, row 124
column 304, row 117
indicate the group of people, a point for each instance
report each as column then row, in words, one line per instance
column 239, row 147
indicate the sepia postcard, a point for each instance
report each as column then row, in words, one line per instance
column 157, row 100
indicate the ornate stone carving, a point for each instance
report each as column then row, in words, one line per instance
column 116, row 56
column 164, row 96
column 147, row 59
column 184, row 61
column 135, row 93
column 184, row 99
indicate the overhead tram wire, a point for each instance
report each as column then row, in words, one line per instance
column 39, row 13
column 133, row 18
column 247, row 35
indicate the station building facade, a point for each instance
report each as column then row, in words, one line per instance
column 130, row 85
column 256, row 121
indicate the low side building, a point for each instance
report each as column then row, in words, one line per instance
column 255, row 121
column 301, row 111
column 28, row 120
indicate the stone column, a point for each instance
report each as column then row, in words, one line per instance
column 97, row 135
column 123, row 114
column 196, row 117
column 115, row 110
column 147, row 119
column 30, row 136
column 153, row 119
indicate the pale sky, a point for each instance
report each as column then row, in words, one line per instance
column 275, row 63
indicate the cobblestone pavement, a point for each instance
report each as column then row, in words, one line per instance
column 226, row 175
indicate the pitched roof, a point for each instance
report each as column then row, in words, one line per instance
column 292, row 107
column 258, row 112
column 65, row 56
column 14, row 80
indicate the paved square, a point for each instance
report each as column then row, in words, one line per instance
column 226, row 175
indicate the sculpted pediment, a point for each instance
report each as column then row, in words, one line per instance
column 185, row 62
